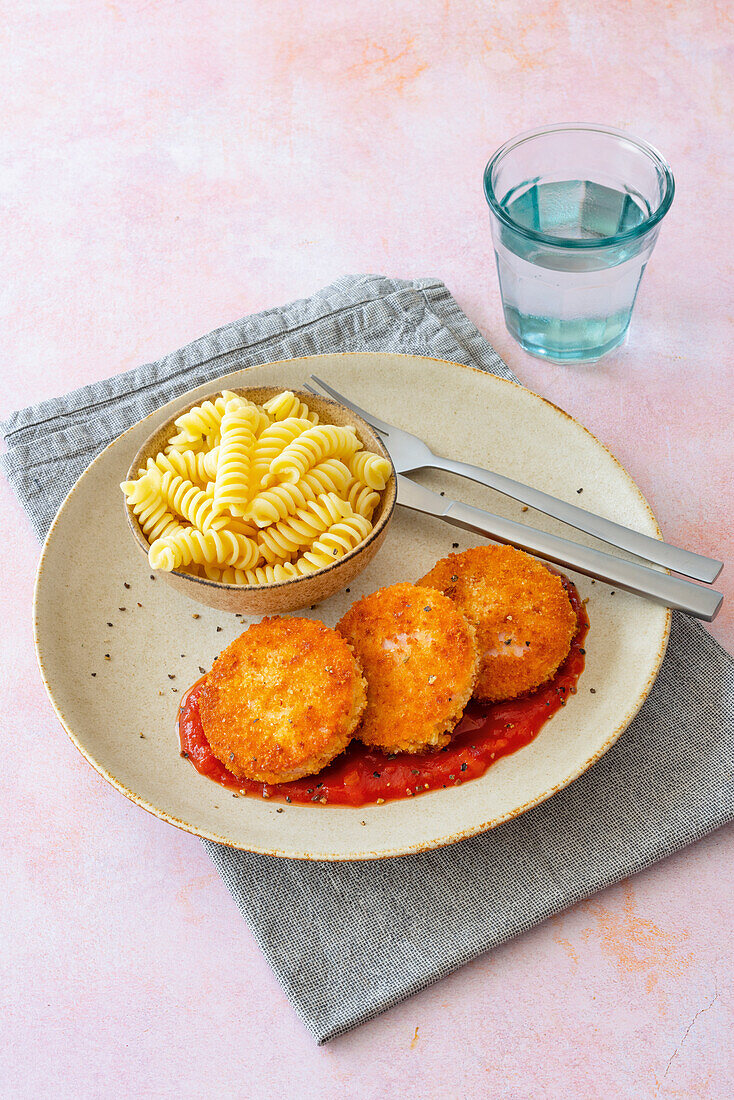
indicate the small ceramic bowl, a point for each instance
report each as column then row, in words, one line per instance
column 296, row 592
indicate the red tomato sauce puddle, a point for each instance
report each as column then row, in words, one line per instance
column 485, row 733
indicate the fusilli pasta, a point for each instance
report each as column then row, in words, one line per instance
column 260, row 574
column 280, row 501
column 250, row 495
column 361, row 498
column 186, row 499
column 373, row 470
column 216, row 547
column 201, row 421
column 286, row 537
column 271, row 443
column 232, row 483
column 150, row 509
column 199, row 467
column 286, row 404
column 337, row 541
column 311, row 447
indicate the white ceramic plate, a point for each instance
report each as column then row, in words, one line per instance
column 107, row 704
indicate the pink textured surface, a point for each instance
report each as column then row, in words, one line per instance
column 172, row 166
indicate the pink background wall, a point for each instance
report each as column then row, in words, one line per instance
column 171, row 166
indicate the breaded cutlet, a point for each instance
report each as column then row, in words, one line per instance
column 523, row 617
column 282, row 700
column 419, row 656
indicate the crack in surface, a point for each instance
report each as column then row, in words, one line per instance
column 700, row 1012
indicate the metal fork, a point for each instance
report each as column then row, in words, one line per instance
column 408, row 452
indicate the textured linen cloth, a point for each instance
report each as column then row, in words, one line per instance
column 349, row 940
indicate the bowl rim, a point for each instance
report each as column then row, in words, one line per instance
column 389, row 493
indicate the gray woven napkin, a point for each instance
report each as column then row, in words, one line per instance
column 348, row 941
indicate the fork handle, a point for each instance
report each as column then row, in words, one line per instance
column 673, row 592
column 661, row 553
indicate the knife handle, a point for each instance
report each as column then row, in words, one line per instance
column 673, row 592
column 643, row 546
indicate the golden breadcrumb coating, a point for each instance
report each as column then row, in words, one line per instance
column 419, row 655
column 523, row 617
column 282, row 700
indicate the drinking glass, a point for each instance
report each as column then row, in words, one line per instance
column 575, row 213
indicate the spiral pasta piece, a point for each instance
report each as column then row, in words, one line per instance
column 271, row 443
column 311, row 447
column 150, row 509
column 179, row 443
column 286, row 404
column 279, row 501
column 226, row 575
column 213, row 548
column 330, row 476
column 371, row 469
column 337, row 541
column 361, row 498
column 232, row 482
column 240, row 527
column 195, row 466
column 201, row 421
column 260, row 574
column 288, row 536
column 268, row 574
column 185, row 499
column 261, row 418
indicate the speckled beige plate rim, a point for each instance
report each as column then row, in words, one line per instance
column 366, row 854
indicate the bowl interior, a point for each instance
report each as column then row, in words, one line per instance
column 329, row 411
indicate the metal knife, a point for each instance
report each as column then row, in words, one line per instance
column 703, row 602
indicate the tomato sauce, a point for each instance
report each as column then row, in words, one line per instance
column 486, row 732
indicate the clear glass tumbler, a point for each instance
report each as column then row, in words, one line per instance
column 575, row 213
